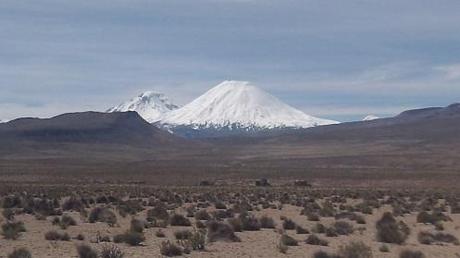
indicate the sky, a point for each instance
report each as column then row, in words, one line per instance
column 334, row 59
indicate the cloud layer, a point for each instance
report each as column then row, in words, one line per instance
column 349, row 56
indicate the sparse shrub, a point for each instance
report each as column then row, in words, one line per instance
column 288, row 224
column 343, row 228
column 282, row 248
column 102, row 214
column 56, row 236
column 249, row 223
column 206, row 183
column 266, row 222
column 355, row 250
column 130, row 237
column 111, row 251
column 331, row 232
column 327, row 210
column 428, row 238
column 220, row 205
column 182, row 234
column 439, row 226
column 103, row 238
column 73, row 204
column 120, row 238
column 85, row 251
column 262, row 182
column 159, row 212
column 80, row 237
column 301, row 230
column 66, row 221
column 179, row 220
column 390, row 231
column 13, row 230
column 322, row 254
column 137, row 226
column 198, row 240
column 319, row 228
column 301, row 183
column 170, row 249
column 129, row 207
column 288, row 241
column 219, row 231
column 315, row 240
column 235, row 223
column 312, row 216
column 199, row 224
column 433, row 218
column 384, row 249
column 202, row 215
column 160, row 233
column 364, row 208
column 8, row 214
column 360, row 219
column 411, row 254
column 20, row 253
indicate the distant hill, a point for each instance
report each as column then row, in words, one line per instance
column 418, row 147
column 88, row 127
column 427, row 125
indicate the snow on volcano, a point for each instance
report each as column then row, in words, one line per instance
column 239, row 104
column 149, row 105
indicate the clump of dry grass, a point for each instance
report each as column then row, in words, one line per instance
column 20, row 253
column 12, row 230
column 391, row 231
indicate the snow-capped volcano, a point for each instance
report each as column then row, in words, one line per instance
column 370, row 118
column 149, row 105
column 241, row 105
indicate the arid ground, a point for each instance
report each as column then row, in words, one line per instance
column 219, row 221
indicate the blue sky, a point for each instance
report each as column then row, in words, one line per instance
column 334, row 59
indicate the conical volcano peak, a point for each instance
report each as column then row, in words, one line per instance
column 231, row 84
column 239, row 104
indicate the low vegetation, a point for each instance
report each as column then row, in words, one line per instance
column 186, row 220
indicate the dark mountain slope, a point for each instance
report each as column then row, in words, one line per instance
column 415, row 147
column 88, row 127
column 427, row 125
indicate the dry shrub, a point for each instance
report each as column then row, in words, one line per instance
column 266, row 222
column 288, row 224
column 219, row 231
column 179, row 220
column 13, row 230
column 132, row 238
column 111, row 251
column 390, row 231
column 288, row 241
column 355, row 250
column 102, row 214
column 343, row 228
column 169, row 249
column 411, row 254
column 315, row 240
column 20, row 253
column 198, row 240
column 56, row 236
column 85, row 251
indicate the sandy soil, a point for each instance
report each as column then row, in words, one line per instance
column 261, row 243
